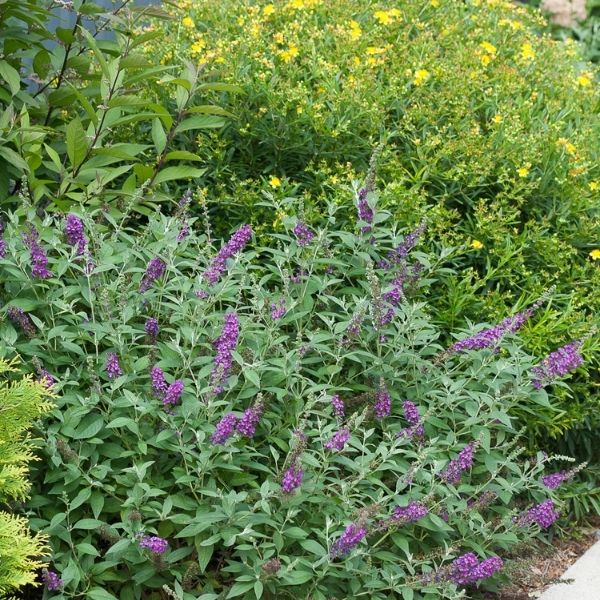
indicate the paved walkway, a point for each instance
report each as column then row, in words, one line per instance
column 586, row 573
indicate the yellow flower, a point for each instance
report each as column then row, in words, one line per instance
column 355, row 30
column 489, row 48
column 385, row 17
column 497, row 118
column 593, row 185
column 268, row 10
column 524, row 170
column 570, row 148
column 421, row 76
column 278, row 37
column 187, row 22
column 584, row 79
column 374, row 50
column 275, row 182
column 527, row 52
column 595, row 254
column 255, row 30
column 197, row 47
column 476, row 244
column 435, row 3
column 289, row 54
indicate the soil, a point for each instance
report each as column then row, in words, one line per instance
column 542, row 564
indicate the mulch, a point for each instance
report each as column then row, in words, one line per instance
column 542, row 563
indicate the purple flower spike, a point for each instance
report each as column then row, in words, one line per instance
column 19, row 316
column 278, row 309
column 74, row 230
column 51, row 580
column 292, row 479
column 557, row 364
column 154, row 544
column 225, row 429
column 467, row 569
column 151, row 328
column 303, row 234
column 555, row 480
column 173, row 393
column 46, row 378
column 411, row 414
column 39, row 260
column 365, row 212
column 462, row 462
column 184, row 231
column 225, row 346
column 159, row 385
column 337, row 405
column 543, row 514
column 218, row 264
column 2, row 242
column 351, row 537
column 338, row 440
column 247, row 424
column 113, row 368
column 383, row 404
column 407, row 514
column 155, row 270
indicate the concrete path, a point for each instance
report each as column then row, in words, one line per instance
column 586, row 573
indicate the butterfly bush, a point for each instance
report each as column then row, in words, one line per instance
column 337, row 452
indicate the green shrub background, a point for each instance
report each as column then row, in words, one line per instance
column 490, row 130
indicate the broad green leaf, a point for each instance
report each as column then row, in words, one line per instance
column 200, row 122
column 11, row 76
column 181, row 172
column 76, row 142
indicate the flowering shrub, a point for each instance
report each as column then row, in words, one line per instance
column 207, row 448
column 490, row 130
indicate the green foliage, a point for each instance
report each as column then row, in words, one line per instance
column 78, row 119
column 490, row 130
column 119, row 464
column 21, row 402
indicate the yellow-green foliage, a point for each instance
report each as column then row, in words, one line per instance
column 20, row 402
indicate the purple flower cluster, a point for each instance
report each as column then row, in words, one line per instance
column 155, row 270
column 411, row 414
column 225, row 429
column 113, row 368
column 303, row 234
column 337, row 405
column 462, row 462
column 407, row 514
column 154, row 544
column 151, row 328
column 557, row 364
column 351, row 537
column 338, row 440
column 51, row 580
column 219, row 263
column 365, row 212
column 19, row 316
column 159, row 384
column 184, row 231
column 225, row 346
column 2, row 242
column 467, row 569
column 543, row 514
column 555, row 480
column 39, row 260
column 383, row 404
column 292, row 479
column 398, row 254
column 74, row 231
column 246, row 426
column 482, row 501
column 46, row 378
column 173, row 393
column 278, row 309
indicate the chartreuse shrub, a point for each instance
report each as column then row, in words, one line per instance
column 21, row 402
column 490, row 130
column 239, row 420
column 77, row 119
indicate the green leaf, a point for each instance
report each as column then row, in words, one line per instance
column 159, row 137
column 87, row 524
column 182, row 155
column 200, row 122
column 88, row 427
column 204, row 555
column 14, row 159
column 181, row 172
column 239, row 588
column 11, row 76
column 100, row 594
column 313, row 547
column 76, row 142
